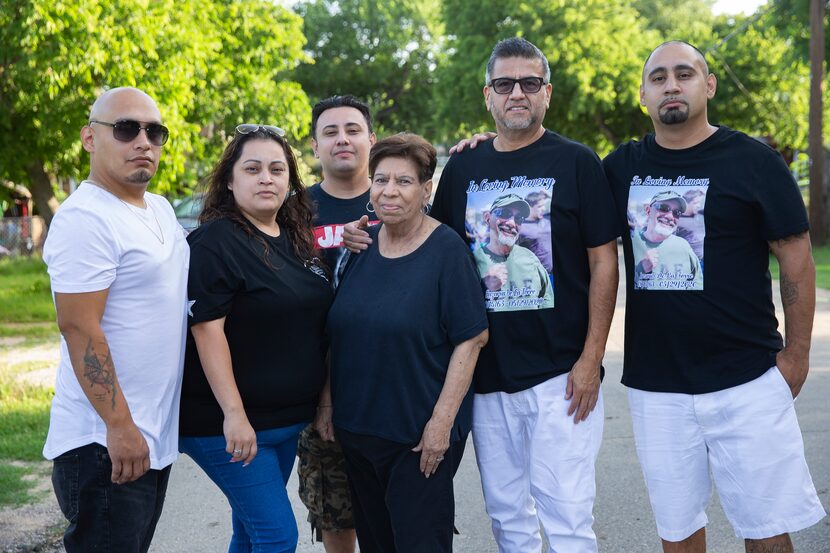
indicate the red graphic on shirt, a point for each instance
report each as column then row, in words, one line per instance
column 331, row 236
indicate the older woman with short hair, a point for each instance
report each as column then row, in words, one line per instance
column 406, row 329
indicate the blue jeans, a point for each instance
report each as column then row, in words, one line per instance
column 106, row 517
column 263, row 521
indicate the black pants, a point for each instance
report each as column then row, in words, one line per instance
column 396, row 508
column 106, row 517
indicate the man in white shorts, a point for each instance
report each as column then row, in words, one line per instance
column 711, row 383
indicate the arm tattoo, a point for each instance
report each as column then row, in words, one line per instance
column 789, row 291
column 100, row 372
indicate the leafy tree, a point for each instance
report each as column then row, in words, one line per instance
column 689, row 20
column 209, row 65
column 763, row 83
column 382, row 51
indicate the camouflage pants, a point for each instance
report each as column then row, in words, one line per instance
column 324, row 488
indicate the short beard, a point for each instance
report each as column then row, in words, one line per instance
column 140, row 177
column 663, row 230
column 506, row 240
column 674, row 117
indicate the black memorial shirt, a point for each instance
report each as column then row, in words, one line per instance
column 531, row 345
column 697, row 341
column 275, row 324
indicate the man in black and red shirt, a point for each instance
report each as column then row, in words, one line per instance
column 341, row 130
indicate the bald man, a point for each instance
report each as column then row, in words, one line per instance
column 117, row 261
column 710, row 380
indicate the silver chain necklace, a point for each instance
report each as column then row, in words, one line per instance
column 159, row 235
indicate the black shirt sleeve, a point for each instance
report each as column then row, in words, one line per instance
column 780, row 201
column 462, row 307
column 213, row 279
column 597, row 219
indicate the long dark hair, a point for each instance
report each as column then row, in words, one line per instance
column 295, row 214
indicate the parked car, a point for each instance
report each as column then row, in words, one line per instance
column 187, row 211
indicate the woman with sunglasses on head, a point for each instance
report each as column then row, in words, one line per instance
column 255, row 353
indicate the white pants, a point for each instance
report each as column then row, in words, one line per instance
column 535, row 462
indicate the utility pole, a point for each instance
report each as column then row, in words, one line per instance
column 818, row 207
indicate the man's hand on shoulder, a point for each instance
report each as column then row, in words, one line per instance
column 355, row 238
column 472, row 142
column 128, row 452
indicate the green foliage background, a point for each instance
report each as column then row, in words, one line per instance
column 213, row 64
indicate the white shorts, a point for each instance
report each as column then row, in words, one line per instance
column 747, row 436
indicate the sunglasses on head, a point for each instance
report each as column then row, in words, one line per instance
column 505, row 213
column 248, row 128
column 505, row 85
column 667, row 208
column 126, row 130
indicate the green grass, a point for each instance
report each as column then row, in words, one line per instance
column 821, row 255
column 14, row 487
column 24, row 291
column 24, row 410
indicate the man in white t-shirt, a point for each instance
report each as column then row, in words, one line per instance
column 117, row 262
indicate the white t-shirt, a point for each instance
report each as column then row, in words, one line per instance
column 96, row 242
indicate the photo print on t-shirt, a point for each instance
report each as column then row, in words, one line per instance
column 666, row 220
column 508, row 228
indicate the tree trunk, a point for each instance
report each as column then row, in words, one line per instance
column 42, row 191
column 818, row 204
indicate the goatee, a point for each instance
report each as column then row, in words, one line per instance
column 673, row 117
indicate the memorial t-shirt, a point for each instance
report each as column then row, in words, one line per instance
column 699, row 332
column 537, row 328
column 275, row 322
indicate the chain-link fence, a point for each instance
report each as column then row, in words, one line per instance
column 21, row 235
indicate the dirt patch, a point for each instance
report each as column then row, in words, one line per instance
column 32, row 528
column 44, row 353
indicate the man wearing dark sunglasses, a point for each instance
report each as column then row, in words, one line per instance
column 664, row 260
column 537, row 381
column 710, row 380
column 117, row 262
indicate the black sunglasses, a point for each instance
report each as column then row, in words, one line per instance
column 248, row 128
column 126, row 130
column 505, row 213
column 667, row 208
column 505, row 85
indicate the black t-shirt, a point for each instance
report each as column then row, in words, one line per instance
column 275, row 323
column 331, row 215
column 701, row 321
column 538, row 320
column 393, row 326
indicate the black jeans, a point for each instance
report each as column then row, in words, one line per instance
column 396, row 508
column 106, row 517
